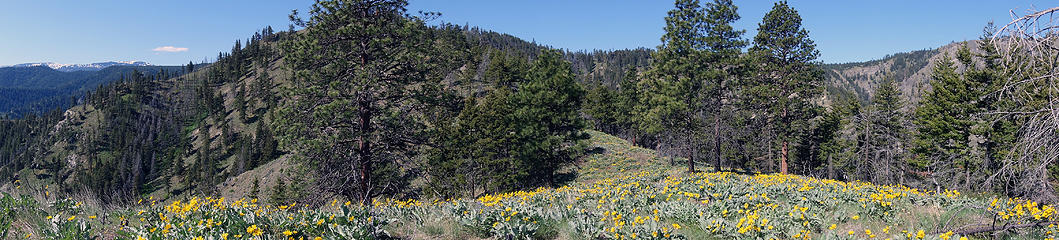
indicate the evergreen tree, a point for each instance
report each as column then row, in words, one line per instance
column 505, row 71
column 190, row 67
column 255, row 189
column 600, row 107
column 836, row 148
column 788, row 78
column 673, row 92
column 239, row 102
column 345, row 113
column 944, row 120
column 723, row 46
column 547, row 107
column 512, row 138
column 626, row 103
column 279, row 194
column 882, row 136
column 999, row 131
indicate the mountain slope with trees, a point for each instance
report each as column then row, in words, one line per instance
column 366, row 103
column 38, row 89
column 910, row 71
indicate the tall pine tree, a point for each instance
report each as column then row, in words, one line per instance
column 721, row 58
column 673, row 91
column 789, row 76
column 943, row 120
column 356, row 67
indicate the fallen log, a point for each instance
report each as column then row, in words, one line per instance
column 990, row 228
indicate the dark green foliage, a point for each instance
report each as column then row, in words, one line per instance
column 546, row 108
column 881, row 135
column 788, row 76
column 601, row 108
column 605, row 67
column 944, row 118
column 505, row 71
column 959, row 128
column 240, row 102
column 345, row 114
column 255, row 189
column 264, row 146
column 512, row 138
column 1000, row 131
column 673, row 92
column 836, row 151
column 723, row 46
column 627, row 104
column 279, row 195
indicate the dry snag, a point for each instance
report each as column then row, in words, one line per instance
column 1029, row 52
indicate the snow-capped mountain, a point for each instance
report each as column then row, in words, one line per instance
column 83, row 67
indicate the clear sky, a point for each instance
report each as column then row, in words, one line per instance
column 175, row 32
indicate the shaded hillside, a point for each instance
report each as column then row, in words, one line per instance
column 40, row 88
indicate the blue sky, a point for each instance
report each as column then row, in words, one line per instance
column 75, row 31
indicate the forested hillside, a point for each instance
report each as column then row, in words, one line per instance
column 910, row 71
column 405, row 127
column 166, row 133
column 25, row 90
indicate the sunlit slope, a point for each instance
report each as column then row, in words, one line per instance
column 610, row 156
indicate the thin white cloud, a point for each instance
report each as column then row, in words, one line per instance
column 170, row 49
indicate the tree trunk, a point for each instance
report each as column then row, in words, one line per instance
column 691, row 162
column 830, row 168
column 717, row 142
column 783, row 151
column 783, row 158
column 364, row 152
column 771, row 161
column 691, row 154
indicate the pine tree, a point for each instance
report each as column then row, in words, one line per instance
column 515, row 136
column 547, row 107
column 788, row 77
column 626, row 103
column 355, row 98
column 723, row 47
column 600, row 107
column 255, row 189
column 673, row 92
column 240, row 102
column 944, row 119
column 999, row 131
column 279, row 194
column 836, row 148
column 883, row 133
column 190, row 67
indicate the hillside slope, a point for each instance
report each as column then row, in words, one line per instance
column 39, row 89
column 209, row 131
column 911, row 71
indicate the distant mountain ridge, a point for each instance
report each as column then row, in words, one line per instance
column 910, row 71
column 39, row 88
column 83, row 67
